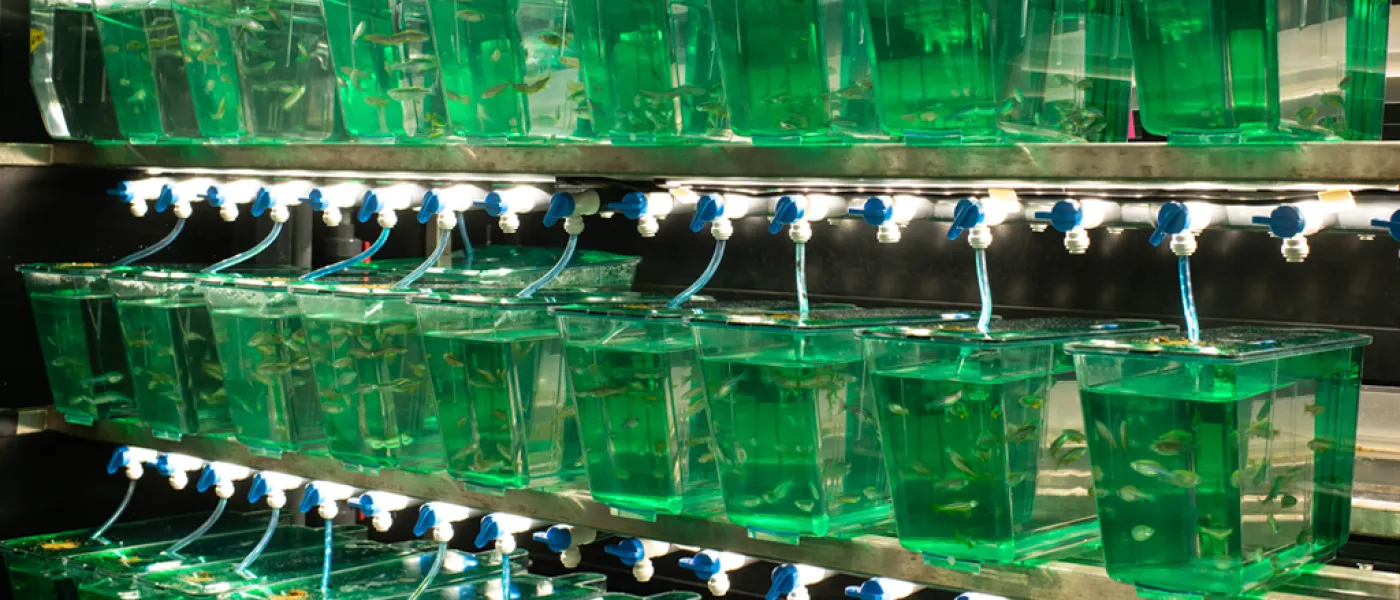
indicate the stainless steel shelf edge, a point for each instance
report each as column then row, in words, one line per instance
column 25, row 155
column 1358, row 163
column 870, row 555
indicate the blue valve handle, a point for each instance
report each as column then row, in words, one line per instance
column 966, row 215
column 213, row 197
column 1284, row 221
column 787, row 212
column 629, row 550
column 1392, row 226
column 705, row 565
column 869, row 590
column 561, row 206
column 427, row 519
column 494, row 204
column 558, row 538
column 207, row 479
column 709, row 208
column 311, row 499
column 317, row 200
column 1064, row 216
column 261, row 202
column 784, row 581
column 260, row 488
column 490, row 530
column 432, row 205
column 369, row 205
column 1172, row 218
column 875, row 211
column 166, row 198
column 163, row 465
column 368, row 507
column 632, row 206
column 123, row 192
column 121, row 457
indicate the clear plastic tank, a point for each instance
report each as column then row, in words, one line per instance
column 1221, row 466
column 387, row 67
column 222, row 579
column 396, row 579
column 67, row 73
column 141, row 47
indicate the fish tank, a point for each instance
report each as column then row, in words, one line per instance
column 113, row 574
column 260, row 70
column 984, row 437
column 572, row 586
column 262, row 340
column 387, row 69
column 222, row 579
column 496, row 365
column 796, row 436
column 1216, row 71
column 67, row 72
column 651, row 71
column 170, row 346
column 371, row 372
column 978, row 72
column 80, row 340
column 635, row 380
column 797, row 71
column 145, row 68
column 510, row 71
column 37, row 564
column 396, row 578
column 502, row 267
column 1222, row 465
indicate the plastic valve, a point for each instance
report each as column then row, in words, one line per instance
column 868, row 590
column 494, row 204
column 876, row 211
column 786, row 212
column 633, row 205
column 561, row 206
column 432, row 205
column 784, row 581
column 322, row 496
column 966, row 215
column 369, row 205
column 261, row 202
column 1284, row 221
column 558, row 538
column 132, row 460
column 316, row 199
column 629, row 550
column 707, row 209
column 1172, row 218
column 166, row 199
column 704, row 564
column 213, row 197
column 1392, row 226
column 1065, row 216
column 124, row 192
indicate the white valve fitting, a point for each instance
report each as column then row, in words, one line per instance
column 331, row 493
column 579, row 536
column 138, row 207
column 807, row 575
column 509, row 526
column 277, row 486
column 722, row 228
column 339, row 197
column 234, row 193
column 586, row 202
column 385, row 504
column 135, row 467
column 446, row 221
column 143, row 191
column 517, row 200
column 644, row 569
column 180, row 466
column 1077, row 240
column 227, row 474
column 460, row 197
column 447, row 514
column 1295, row 249
column 1184, row 243
column 888, row 233
column 980, row 237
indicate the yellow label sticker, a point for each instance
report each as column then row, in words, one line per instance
column 36, row 37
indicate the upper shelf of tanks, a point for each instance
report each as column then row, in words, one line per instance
column 845, row 89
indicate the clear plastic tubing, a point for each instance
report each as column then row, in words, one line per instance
column 262, row 543
column 984, row 289
column 802, row 305
column 432, row 572
column 443, row 242
column 203, row 529
column 1188, row 300
column 344, row 264
column 121, row 508
column 154, row 248
column 704, row 279
column 466, row 241
column 553, row 271
column 326, row 559
column 250, row 253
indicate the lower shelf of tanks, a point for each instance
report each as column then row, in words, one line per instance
column 1376, row 512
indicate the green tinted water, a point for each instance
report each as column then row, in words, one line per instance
column 212, row 67
column 797, row 445
column 81, row 343
column 371, row 378
column 68, row 74
column 1221, row 487
column 964, row 461
column 221, row 579
column 270, row 384
column 506, row 418
column 774, row 69
column 387, row 69
column 651, row 70
column 174, row 366
column 146, row 73
column 646, row 433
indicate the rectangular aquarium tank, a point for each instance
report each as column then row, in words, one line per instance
column 795, row 432
column 170, row 345
column 981, row 71
column 67, row 72
column 371, row 374
column 502, row 267
column 497, row 369
column 510, row 70
column 984, row 437
column 80, row 340
column 396, row 578
column 1218, row 71
column 145, row 66
column 796, row 72
column 387, row 67
column 1221, row 466
column 651, row 71
column 635, row 380
column 272, row 568
column 259, row 70
column 267, row 367
column 573, row 586
column 36, row 564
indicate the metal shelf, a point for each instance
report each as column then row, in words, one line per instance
column 1069, row 579
column 1362, row 164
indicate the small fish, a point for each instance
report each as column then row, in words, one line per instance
column 274, row 368
column 213, row 370
column 1344, row 83
column 871, row 493
column 135, row 45
column 261, row 68
column 1065, row 437
column 1288, row 501
column 749, row 501
column 471, row 15
column 705, row 458
column 1106, row 434
column 1084, row 85
column 414, row 65
column 345, row 379
column 1273, row 524
column 960, row 464
column 107, row 378
column 963, row 508
column 1023, row 432
column 1132, row 494
column 1151, row 468
column 495, row 90
column 1017, row 478
column 1214, row 533
column 1306, row 115
column 551, row 39
column 569, row 62
column 1062, row 80
column 944, row 401
column 409, row 93
column 498, row 415
column 359, row 31
column 986, row 438
column 1185, row 479
column 919, row 468
column 804, row 505
column 294, row 97
column 630, row 423
column 953, row 484
column 898, row 410
column 1320, row 444
column 533, row 87
column 1141, row 533
column 1334, row 100
column 495, row 55
column 1263, row 429
column 1313, row 409
column 453, row 361
column 376, row 102
column 1032, row 402
column 1070, row 456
